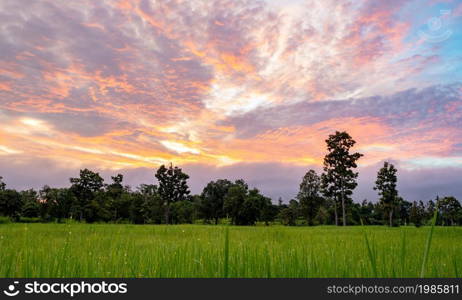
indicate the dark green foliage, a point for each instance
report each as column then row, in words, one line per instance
column 365, row 213
column 417, row 214
column 290, row 213
column 254, row 205
column 323, row 217
column 269, row 212
column 10, row 204
column 58, row 204
column 404, row 209
column 242, row 205
column 246, row 207
column 89, row 199
column 173, row 187
column 85, row 187
column 450, row 210
column 339, row 179
column 137, row 209
column 308, row 196
column 213, row 197
column 234, row 202
column 430, row 208
column 182, row 212
column 152, row 206
column 386, row 185
column 2, row 184
column 30, row 205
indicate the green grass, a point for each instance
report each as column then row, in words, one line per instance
column 82, row 250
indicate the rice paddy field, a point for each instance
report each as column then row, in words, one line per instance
column 84, row 250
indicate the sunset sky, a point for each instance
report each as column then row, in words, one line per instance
column 231, row 89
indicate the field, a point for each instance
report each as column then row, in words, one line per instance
column 82, row 250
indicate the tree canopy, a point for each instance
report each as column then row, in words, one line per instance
column 169, row 200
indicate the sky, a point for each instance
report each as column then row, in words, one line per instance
column 231, row 89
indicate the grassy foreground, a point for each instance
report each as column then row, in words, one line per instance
column 82, row 250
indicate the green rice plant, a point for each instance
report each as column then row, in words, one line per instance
column 226, row 254
column 403, row 254
column 198, row 251
column 428, row 243
column 455, row 268
column 371, row 255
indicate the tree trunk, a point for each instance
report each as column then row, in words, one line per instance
column 216, row 221
column 335, row 210
column 390, row 217
column 343, row 204
column 167, row 213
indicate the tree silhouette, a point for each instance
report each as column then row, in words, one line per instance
column 2, row 184
column 450, row 209
column 213, row 196
column 88, row 199
column 417, row 213
column 11, row 204
column 386, row 185
column 308, row 196
column 85, row 188
column 173, row 187
column 339, row 179
column 234, row 201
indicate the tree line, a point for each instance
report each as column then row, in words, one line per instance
column 323, row 199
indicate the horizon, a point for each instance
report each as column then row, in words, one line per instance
column 231, row 89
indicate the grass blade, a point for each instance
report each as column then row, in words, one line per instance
column 371, row 255
column 429, row 241
column 455, row 268
column 226, row 254
column 369, row 251
column 403, row 254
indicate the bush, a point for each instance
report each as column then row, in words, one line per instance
column 4, row 220
column 29, row 220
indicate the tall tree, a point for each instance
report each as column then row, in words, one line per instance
column 30, row 207
column 430, row 208
column 2, row 184
column 85, row 188
column 308, row 196
column 115, row 189
column 404, row 211
column 213, row 197
column 136, row 209
column 56, row 204
column 246, row 207
column 183, row 212
column 114, row 192
column 11, row 204
column 234, row 201
column 290, row 213
column 268, row 211
column 153, row 210
column 255, row 207
column 339, row 178
column 173, row 187
column 386, row 187
column 449, row 208
column 417, row 213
